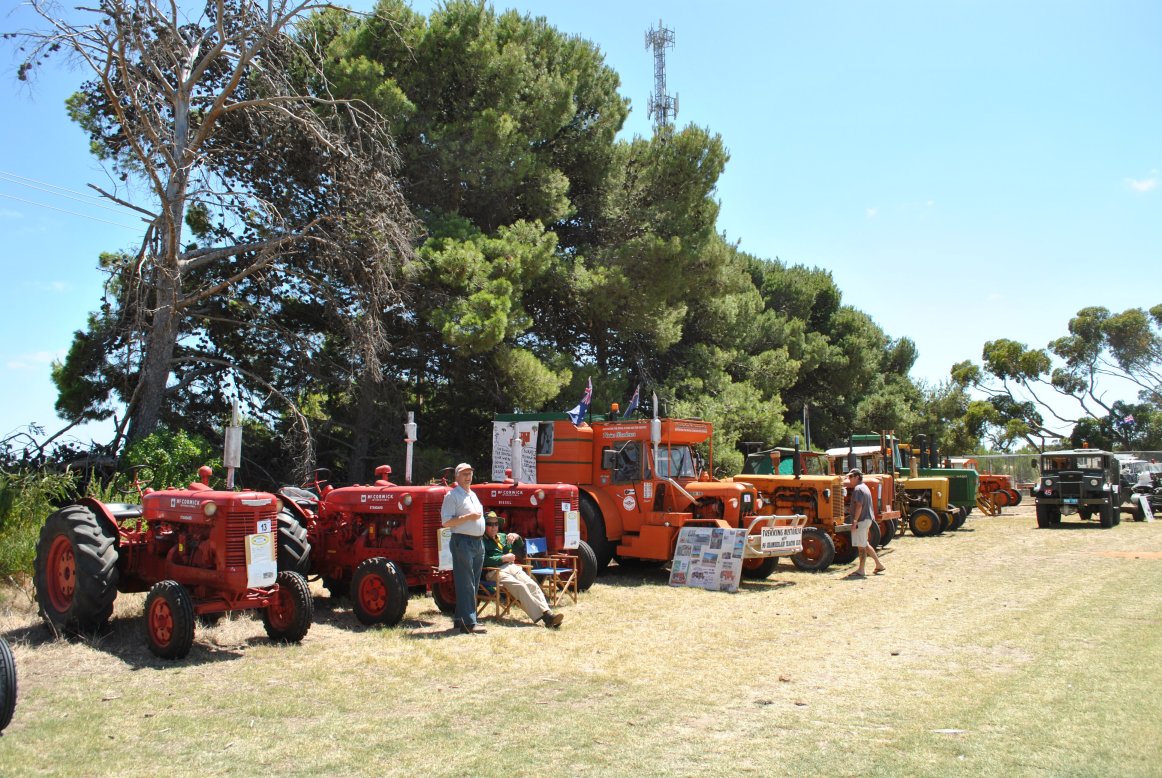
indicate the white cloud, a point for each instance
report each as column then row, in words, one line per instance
column 56, row 287
column 1147, row 184
column 35, row 360
column 871, row 212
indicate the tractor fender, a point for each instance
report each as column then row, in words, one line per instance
column 296, row 510
column 609, row 512
column 105, row 518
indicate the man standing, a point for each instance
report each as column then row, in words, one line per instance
column 862, row 517
column 464, row 515
column 518, row 583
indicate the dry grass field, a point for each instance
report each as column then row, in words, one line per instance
column 997, row 650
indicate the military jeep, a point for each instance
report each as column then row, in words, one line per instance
column 1084, row 481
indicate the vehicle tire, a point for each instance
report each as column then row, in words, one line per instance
column 289, row 615
column 873, row 535
column 1106, row 516
column 818, row 551
column 376, row 592
column 169, row 620
column 294, row 550
column 845, row 552
column 960, row 517
column 945, row 521
column 586, row 566
column 1084, row 513
column 924, row 522
column 397, row 617
column 7, row 684
column 887, row 532
column 76, row 570
column 1138, row 513
column 593, row 526
column 1015, row 495
column 1048, row 516
column 759, row 568
column 1117, row 515
column 444, row 595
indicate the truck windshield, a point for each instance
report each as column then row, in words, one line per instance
column 676, row 462
column 1060, row 462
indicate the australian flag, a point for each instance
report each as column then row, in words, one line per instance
column 577, row 415
column 1129, row 419
column 633, row 402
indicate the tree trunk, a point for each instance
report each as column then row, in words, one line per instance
column 361, row 439
column 145, row 413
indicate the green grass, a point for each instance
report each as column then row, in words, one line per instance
column 1004, row 650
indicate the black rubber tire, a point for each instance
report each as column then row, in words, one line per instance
column 873, row 535
column 759, row 568
column 959, row 519
column 819, row 556
column 845, row 552
column 7, row 684
column 586, row 566
column 405, row 594
column 945, row 521
column 595, row 532
column 891, row 526
column 169, row 620
column 294, row 550
column 1106, row 516
column 1017, row 497
column 1113, row 508
column 92, row 573
column 1048, row 516
column 288, row 619
column 444, row 595
column 1138, row 513
column 924, row 522
column 376, row 592
column 1085, row 513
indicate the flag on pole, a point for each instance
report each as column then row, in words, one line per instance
column 577, row 415
column 633, row 402
column 1129, row 419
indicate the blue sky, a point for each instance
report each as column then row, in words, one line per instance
column 966, row 170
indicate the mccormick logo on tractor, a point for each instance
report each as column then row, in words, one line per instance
column 374, row 497
column 184, row 502
column 505, row 493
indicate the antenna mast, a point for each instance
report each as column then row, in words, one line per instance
column 662, row 107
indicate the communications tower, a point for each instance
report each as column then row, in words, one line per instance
column 662, row 107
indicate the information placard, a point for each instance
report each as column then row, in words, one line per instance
column 708, row 558
column 788, row 540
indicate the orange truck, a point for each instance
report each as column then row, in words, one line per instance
column 641, row 481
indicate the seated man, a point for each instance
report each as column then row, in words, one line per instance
column 518, row 583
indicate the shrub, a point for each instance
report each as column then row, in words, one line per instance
column 27, row 497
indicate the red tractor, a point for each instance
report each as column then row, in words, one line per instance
column 199, row 552
column 377, row 542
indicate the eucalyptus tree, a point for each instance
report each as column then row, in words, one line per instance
column 222, row 134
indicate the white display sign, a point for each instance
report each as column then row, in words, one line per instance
column 708, row 558
column 261, row 563
column 444, row 541
column 789, row 540
column 508, row 436
column 572, row 527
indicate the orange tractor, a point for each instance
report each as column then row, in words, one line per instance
column 995, row 492
column 790, row 480
column 641, row 482
column 198, row 551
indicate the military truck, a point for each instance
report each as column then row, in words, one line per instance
column 1082, row 481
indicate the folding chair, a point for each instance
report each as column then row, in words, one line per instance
column 557, row 573
column 492, row 593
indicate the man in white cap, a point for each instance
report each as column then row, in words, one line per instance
column 464, row 515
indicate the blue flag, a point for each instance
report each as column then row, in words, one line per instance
column 633, row 402
column 577, row 415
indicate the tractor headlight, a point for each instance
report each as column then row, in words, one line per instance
column 540, row 494
column 758, row 503
column 826, row 494
column 209, row 508
column 407, row 499
column 278, row 505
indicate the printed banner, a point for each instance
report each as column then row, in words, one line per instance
column 789, row 540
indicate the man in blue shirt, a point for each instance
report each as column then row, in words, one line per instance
column 464, row 515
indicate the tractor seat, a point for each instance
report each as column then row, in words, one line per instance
column 123, row 510
column 299, row 495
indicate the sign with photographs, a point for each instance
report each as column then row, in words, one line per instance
column 708, row 558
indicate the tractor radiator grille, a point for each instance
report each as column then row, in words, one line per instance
column 558, row 519
column 430, row 541
column 837, row 505
column 239, row 524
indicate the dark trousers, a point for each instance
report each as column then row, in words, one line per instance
column 467, row 562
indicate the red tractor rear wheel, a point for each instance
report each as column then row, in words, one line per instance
column 376, row 592
column 444, row 595
column 288, row 617
column 76, row 570
column 169, row 620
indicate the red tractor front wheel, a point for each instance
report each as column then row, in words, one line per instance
column 291, row 611
column 169, row 620
column 379, row 592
